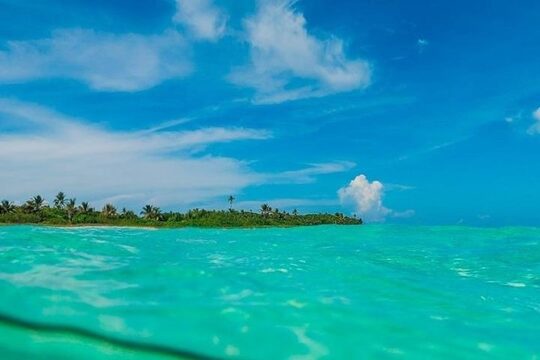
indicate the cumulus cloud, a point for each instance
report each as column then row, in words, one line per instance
column 535, row 128
column 201, row 18
column 288, row 63
column 366, row 197
column 45, row 152
column 104, row 61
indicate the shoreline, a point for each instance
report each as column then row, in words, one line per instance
column 154, row 227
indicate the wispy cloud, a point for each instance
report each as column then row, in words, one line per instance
column 61, row 153
column 201, row 18
column 398, row 187
column 104, row 61
column 309, row 173
column 167, row 125
column 289, row 63
column 44, row 151
column 535, row 128
column 422, row 44
column 433, row 148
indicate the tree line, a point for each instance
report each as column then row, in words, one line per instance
column 66, row 211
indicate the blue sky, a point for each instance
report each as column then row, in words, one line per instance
column 400, row 111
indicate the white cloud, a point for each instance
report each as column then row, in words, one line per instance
column 44, row 152
column 104, row 61
column 308, row 174
column 54, row 152
column 366, row 197
column 201, row 18
column 288, row 63
column 535, row 128
column 398, row 187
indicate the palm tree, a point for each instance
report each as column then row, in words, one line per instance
column 128, row 214
column 35, row 204
column 265, row 209
column 71, row 209
column 231, row 200
column 6, row 207
column 157, row 213
column 84, row 208
column 108, row 210
column 39, row 202
column 60, row 200
column 151, row 212
column 295, row 212
column 147, row 210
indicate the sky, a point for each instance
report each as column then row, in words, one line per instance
column 399, row 111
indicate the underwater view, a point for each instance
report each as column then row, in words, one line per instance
column 340, row 292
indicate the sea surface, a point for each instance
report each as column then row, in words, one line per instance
column 328, row 292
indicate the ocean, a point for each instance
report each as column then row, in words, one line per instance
column 323, row 292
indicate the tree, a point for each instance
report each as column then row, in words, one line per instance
column 85, row 208
column 231, row 200
column 35, row 204
column 295, row 212
column 146, row 211
column 156, row 215
column 60, row 200
column 108, row 211
column 265, row 209
column 71, row 209
column 128, row 214
column 151, row 212
column 6, row 207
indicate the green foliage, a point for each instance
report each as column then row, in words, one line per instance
column 85, row 208
column 60, row 200
column 34, row 205
column 71, row 209
column 108, row 211
column 35, row 211
column 128, row 214
column 6, row 207
column 150, row 212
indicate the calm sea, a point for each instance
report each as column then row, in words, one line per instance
column 359, row 292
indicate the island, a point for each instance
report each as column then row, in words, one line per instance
column 66, row 212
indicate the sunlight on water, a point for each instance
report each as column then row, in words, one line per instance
column 299, row 293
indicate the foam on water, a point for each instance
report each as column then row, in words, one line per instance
column 299, row 293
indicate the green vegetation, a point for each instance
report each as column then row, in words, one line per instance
column 67, row 212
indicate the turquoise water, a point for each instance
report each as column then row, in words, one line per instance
column 369, row 292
